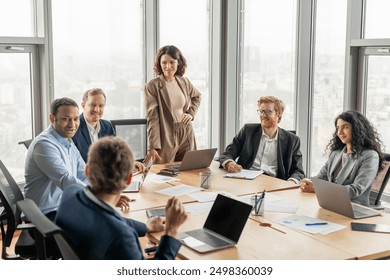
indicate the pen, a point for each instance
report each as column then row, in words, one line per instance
column 262, row 194
column 316, row 224
column 259, row 200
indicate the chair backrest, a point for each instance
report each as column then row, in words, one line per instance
column 46, row 228
column 26, row 143
column 134, row 132
column 10, row 194
column 380, row 182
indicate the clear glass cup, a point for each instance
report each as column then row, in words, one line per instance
column 205, row 180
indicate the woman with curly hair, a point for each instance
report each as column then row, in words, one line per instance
column 171, row 104
column 355, row 157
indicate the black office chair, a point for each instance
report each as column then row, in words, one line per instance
column 45, row 229
column 380, row 183
column 134, row 132
column 26, row 143
column 10, row 219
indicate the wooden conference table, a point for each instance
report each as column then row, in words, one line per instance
column 276, row 242
column 363, row 245
column 148, row 198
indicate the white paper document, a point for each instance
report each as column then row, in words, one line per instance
column 269, row 197
column 273, row 203
column 204, row 196
column 244, row 174
column 280, row 207
column 179, row 190
column 309, row 224
column 198, row 208
column 159, row 179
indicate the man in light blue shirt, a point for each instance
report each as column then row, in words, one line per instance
column 53, row 162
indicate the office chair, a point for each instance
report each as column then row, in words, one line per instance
column 133, row 131
column 379, row 184
column 45, row 229
column 10, row 219
column 26, row 143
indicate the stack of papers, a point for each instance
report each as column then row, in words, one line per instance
column 198, row 208
column 244, row 174
column 209, row 196
column 272, row 203
column 310, row 225
column 159, row 179
column 179, row 190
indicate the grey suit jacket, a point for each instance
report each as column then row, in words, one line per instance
column 357, row 174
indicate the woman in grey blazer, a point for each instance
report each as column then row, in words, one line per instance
column 171, row 104
column 355, row 158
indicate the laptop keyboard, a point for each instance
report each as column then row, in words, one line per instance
column 208, row 238
column 175, row 167
column 359, row 211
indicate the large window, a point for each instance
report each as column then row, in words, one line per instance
column 377, row 20
column 98, row 44
column 185, row 24
column 377, row 105
column 16, row 18
column 328, row 86
column 268, row 62
column 15, row 107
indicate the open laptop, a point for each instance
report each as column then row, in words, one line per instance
column 223, row 226
column 138, row 180
column 335, row 197
column 194, row 160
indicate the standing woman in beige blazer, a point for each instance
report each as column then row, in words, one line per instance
column 171, row 104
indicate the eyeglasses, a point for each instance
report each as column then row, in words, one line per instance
column 267, row 112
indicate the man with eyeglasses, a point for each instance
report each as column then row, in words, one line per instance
column 266, row 146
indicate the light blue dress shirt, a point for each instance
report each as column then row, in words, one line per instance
column 52, row 163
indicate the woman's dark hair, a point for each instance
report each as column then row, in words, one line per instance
column 364, row 136
column 175, row 53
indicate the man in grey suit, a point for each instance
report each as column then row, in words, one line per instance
column 266, row 146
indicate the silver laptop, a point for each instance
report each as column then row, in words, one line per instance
column 138, row 180
column 194, row 160
column 223, row 226
column 335, row 197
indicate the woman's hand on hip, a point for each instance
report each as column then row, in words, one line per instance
column 187, row 118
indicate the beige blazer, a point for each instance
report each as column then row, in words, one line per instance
column 160, row 119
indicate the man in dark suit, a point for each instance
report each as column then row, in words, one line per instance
column 92, row 126
column 266, row 146
column 93, row 225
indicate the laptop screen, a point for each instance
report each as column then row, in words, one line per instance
column 227, row 217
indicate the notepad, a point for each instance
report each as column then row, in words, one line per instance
column 244, row 174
